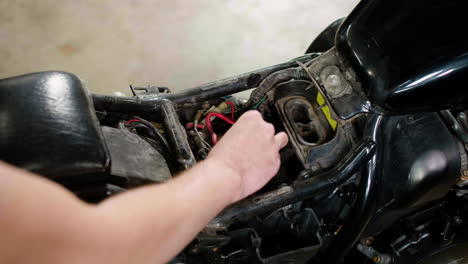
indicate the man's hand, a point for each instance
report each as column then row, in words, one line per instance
column 146, row 225
column 250, row 149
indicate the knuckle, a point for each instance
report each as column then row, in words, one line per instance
column 269, row 128
column 248, row 117
column 252, row 114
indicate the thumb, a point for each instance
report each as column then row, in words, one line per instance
column 281, row 140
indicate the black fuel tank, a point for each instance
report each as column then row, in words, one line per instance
column 409, row 55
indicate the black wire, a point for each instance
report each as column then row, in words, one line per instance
column 154, row 130
column 138, row 125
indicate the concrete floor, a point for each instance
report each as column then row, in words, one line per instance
column 174, row 43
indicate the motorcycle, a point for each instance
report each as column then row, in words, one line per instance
column 375, row 171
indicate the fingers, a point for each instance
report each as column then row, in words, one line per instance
column 270, row 129
column 281, row 140
column 252, row 115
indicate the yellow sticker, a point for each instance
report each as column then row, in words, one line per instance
column 326, row 111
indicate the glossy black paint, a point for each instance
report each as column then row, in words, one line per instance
column 366, row 202
column 326, row 39
column 48, row 126
column 421, row 160
column 408, row 171
column 409, row 55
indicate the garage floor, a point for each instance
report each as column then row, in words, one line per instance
column 174, row 43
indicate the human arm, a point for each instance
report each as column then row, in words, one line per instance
column 43, row 223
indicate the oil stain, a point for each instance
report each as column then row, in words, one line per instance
column 68, row 49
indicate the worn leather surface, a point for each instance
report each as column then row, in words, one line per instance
column 133, row 158
column 48, row 126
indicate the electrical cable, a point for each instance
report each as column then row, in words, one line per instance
column 151, row 127
column 306, row 70
column 191, row 125
column 314, row 81
column 233, row 109
column 303, row 67
column 209, row 126
column 140, row 125
column 259, row 103
column 131, row 121
column 195, row 127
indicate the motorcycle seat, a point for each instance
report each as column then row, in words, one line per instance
column 48, row 126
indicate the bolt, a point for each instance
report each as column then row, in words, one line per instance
column 457, row 219
column 333, row 80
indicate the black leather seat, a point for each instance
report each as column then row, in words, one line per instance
column 48, row 126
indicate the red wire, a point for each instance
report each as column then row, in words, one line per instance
column 131, row 121
column 233, row 109
column 191, row 124
column 220, row 116
column 214, row 137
